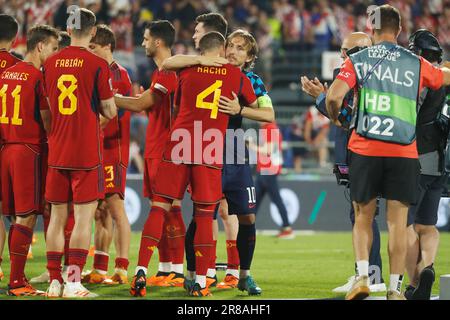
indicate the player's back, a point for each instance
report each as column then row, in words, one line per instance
column 7, row 60
column 198, row 98
column 76, row 80
column 117, row 131
column 22, row 96
column 199, row 91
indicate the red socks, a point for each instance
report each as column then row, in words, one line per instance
column 203, row 239
column 10, row 232
column 177, row 235
column 163, row 245
column 77, row 260
column 101, row 261
column 212, row 263
column 54, row 265
column 122, row 263
column 151, row 235
column 232, row 255
column 20, row 242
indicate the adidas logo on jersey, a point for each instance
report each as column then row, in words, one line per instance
column 110, row 185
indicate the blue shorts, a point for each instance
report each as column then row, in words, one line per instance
column 238, row 189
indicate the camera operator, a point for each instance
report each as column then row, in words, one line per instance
column 432, row 133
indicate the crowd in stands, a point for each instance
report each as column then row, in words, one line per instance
column 278, row 25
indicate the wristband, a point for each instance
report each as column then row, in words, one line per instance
column 240, row 111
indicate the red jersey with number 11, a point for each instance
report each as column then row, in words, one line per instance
column 75, row 81
column 198, row 96
column 22, row 97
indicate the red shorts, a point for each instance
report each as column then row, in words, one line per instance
column 115, row 178
column 172, row 179
column 150, row 168
column 23, row 174
column 78, row 186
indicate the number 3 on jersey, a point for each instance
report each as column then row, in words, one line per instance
column 67, row 93
column 214, row 105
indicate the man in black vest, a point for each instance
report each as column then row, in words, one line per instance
column 432, row 132
column 351, row 44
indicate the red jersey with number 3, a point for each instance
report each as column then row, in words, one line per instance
column 117, row 131
column 75, row 81
column 198, row 96
column 164, row 84
column 22, row 96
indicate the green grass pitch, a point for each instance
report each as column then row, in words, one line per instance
column 309, row 266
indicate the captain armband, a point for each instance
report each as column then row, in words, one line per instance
column 264, row 102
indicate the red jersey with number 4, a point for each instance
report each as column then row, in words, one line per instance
column 75, row 81
column 164, row 84
column 7, row 60
column 117, row 131
column 198, row 96
column 22, row 97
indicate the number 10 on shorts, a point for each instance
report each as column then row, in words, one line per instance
column 251, row 195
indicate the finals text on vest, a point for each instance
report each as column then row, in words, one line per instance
column 389, row 84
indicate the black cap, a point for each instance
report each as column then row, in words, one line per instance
column 423, row 39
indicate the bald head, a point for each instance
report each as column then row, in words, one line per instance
column 356, row 39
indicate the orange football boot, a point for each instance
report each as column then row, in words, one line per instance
column 158, row 280
column 230, row 282
column 26, row 290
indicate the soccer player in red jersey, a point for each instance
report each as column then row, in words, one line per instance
column 24, row 153
column 192, row 159
column 63, row 41
column 157, row 101
column 115, row 151
column 8, row 33
column 79, row 88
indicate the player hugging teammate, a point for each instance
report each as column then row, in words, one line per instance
column 73, row 103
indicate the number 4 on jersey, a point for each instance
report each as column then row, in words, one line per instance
column 214, row 105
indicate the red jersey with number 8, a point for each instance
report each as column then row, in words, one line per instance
column 75, row 81
column 198, row 96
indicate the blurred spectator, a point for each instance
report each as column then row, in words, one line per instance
column 297, row 136
column 324, row 25
column 279, row 26
column 136, row 161
column 316, row 130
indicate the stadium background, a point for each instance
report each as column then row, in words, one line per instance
column 295, row 38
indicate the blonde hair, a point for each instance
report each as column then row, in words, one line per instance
column 250, row 45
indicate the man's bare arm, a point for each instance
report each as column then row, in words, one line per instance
column 256, row 111
column 335, row 96
column 103, row 122
column 108, row 108
column 445, row 69
column 137, row 104
column 181, row 61
column 46, row 117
